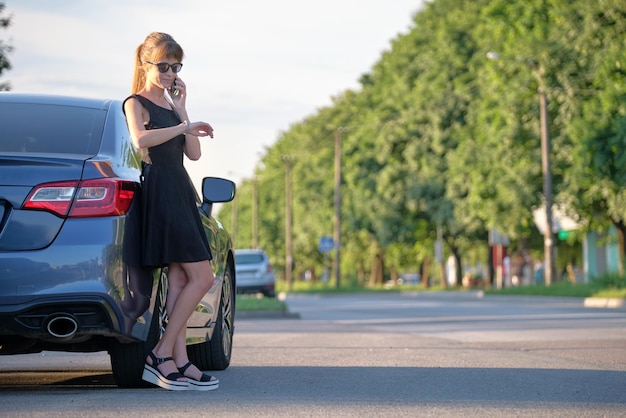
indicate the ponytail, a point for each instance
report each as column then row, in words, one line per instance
column 139, row 76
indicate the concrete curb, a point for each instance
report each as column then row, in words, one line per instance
column 590, row 302
column 604, row 303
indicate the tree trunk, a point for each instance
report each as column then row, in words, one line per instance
column 394, row 275
column 361, row 274
column 459, row 272
column 377, row 269
column 425, row 272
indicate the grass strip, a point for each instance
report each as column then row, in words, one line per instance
column 255, row 303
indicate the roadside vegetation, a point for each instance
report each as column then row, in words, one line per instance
column 440, row 144
column 608, row 286
column 259, row 303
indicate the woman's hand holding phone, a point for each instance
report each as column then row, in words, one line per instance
column 176, row 94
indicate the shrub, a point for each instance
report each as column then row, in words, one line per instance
column 610, row 281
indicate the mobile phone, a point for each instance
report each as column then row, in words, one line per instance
column 173, row 91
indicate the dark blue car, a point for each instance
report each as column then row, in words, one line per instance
column 69, row 184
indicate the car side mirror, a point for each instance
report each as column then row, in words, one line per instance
column 216, row 190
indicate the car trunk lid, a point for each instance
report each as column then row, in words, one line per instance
column 41, row 143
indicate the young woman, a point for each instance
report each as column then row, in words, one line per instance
column 172, row 233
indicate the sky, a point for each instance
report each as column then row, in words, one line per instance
column 252, row 68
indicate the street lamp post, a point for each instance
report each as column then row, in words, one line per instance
column 546, row 167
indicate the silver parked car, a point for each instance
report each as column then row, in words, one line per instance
column 254, row 272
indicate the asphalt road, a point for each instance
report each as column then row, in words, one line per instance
column 401, row 355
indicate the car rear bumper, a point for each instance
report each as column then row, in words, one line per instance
column 61, row 318
column 66, row 323
column 75, row 290
column 267, row 288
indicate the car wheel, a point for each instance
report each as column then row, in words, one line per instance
column 215, row 354
column 128, row 359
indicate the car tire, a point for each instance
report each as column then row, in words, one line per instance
column 128, row 359
column 216, row 353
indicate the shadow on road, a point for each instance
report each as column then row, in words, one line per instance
column 16, row 380
column 392, row 385
column 405, row 384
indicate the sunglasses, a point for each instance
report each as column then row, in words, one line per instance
column 164, row 66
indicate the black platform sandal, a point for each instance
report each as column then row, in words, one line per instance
column 152, row 374
column 206, row 382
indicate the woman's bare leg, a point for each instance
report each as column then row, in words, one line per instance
column 177, row 280
column 180, row 348
column 190, row 281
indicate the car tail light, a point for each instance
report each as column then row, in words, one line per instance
column 269, row 267
column 83, row 199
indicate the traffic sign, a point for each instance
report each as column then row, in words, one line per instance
column 326, row 244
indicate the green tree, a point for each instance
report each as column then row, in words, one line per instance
column 437, row 136
column 596, row 181
column 5, row 48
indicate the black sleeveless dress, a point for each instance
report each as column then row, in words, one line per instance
column 172, row 231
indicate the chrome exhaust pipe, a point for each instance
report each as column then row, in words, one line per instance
column 62, row 326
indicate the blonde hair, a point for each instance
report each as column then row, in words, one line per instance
column 157, row 46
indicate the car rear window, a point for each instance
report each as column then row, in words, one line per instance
column 248, row 258
column 29, row 128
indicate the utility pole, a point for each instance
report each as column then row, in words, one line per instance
column 233, row 229
column 288, row 223
column 337, row 223
column 546, row 167
column 255, row 213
